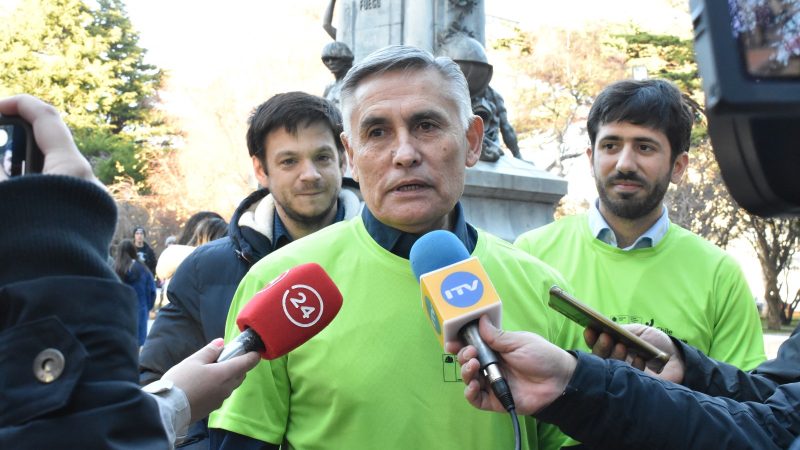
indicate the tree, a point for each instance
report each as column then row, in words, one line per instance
column 564, row 69
column 775, row 241
column 86, row 61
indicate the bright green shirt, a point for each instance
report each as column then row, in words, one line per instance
column 685, row 286
column 377, row 376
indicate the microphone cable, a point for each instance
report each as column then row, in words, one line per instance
column 503, row 393
column 515, row 422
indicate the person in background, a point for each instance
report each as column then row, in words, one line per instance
column 191, row 237
column 136, row 275
column 624, row 257
column 145, row 253
column 299, row 162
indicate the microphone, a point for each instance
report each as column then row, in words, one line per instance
column 456, row 291
column 289, row 311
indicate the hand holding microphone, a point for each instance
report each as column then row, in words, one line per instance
column 456, row 291
column 289, row 311
column 537, row 370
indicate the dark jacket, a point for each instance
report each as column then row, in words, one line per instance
column 200, row 294
column 719, row 379
column 141, row 280
column 57, row 293
column 201, row 291
column 148, row 256
column 632, row 410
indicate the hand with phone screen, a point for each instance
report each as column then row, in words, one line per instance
column 635, row 350
column 606, row 346
column 59, row 154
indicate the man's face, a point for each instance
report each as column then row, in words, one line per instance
column 138, row 238
column 631, row 167
column 409, row 149
column 303, row 172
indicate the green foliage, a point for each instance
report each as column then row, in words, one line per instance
column 112, row 155
column 665, row 56
column 86, row 61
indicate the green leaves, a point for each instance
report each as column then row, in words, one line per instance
column 86, row 61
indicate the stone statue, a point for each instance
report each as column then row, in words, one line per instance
column 486, row 102
column 338, row 58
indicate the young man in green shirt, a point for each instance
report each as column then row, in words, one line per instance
column 624, row 257
column 377, row 377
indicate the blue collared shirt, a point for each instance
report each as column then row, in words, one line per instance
column 281, row 236
column 650, row 238
column 399, row 242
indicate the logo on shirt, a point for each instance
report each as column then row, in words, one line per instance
column 451, row 369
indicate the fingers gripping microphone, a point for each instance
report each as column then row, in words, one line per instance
column 456, row 291
column 289, row 311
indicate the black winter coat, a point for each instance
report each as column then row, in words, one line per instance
column 58, row 296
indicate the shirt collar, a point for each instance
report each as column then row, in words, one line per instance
column 650, row 238
column 281, row 236
column 399, row 242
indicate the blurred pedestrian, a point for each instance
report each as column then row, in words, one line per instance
column 136, row 275
column 144, row 252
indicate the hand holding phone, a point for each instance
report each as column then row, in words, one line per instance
column 585, row 316
column 46, row 130
column 21, row 155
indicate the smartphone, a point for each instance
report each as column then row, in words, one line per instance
column 585, row 316
column 21, row 155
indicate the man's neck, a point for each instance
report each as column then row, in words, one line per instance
column 628, row 230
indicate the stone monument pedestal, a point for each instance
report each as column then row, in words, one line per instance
column 510, row 196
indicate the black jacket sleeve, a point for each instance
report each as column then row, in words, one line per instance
column 716, row 378
column 609, row 404
column 62, row 303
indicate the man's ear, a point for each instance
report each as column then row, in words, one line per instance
column 679, row 167
column 589, row 154
column 349, row 150
column 260, row 172
column 474, row 140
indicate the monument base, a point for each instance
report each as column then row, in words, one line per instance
column 510, row 196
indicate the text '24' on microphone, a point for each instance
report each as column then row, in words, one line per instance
column 456, row 291
column 289, row 311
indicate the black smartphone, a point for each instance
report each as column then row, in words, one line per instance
column 585, row 316
column 21, row 155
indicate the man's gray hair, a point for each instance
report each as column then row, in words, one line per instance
column 405, row 58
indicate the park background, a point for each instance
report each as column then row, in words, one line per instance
column 158, row 94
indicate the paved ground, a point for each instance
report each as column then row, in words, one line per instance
column 772, row 342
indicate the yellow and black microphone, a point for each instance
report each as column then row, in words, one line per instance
column 456, row 292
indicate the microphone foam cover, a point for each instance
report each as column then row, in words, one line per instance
column 435, row 250
column 291, row 309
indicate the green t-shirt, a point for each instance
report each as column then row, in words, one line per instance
column 685, row 286
column 377, row 376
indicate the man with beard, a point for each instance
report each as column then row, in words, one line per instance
column 293, row 141
column 624, row 257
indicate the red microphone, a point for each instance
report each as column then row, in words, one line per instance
column 289, row 311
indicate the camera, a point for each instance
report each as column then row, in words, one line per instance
column 748, row 54
column 21, row 155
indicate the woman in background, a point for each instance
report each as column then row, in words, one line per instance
column 138, row 276
column 202, row 227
